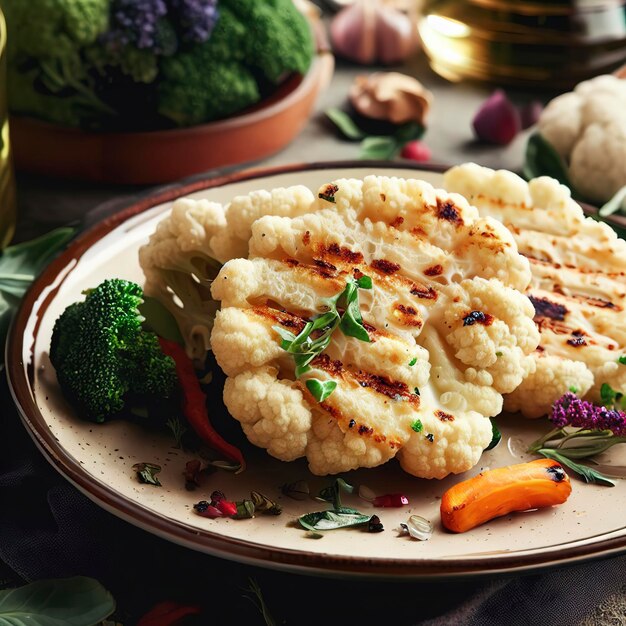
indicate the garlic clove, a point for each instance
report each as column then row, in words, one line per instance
column 368, row 31
column 391, row 96
column 396, row 36
column 352, row 32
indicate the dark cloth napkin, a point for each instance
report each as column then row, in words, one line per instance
column 49, row 529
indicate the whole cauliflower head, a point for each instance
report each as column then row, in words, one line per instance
column 189, row 245
column 578, row 287
column 446, row 331
column 587, row 127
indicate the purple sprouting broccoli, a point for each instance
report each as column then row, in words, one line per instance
column 195, row 18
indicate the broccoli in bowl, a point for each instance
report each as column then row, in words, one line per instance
column 137, row 65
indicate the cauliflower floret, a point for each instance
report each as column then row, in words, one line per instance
column 425, row 382
column 587, row 127
column 577, row 288
column 186, row 251
column 271, row 412
column 553, row 377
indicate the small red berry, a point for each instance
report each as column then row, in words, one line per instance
column 416, row 151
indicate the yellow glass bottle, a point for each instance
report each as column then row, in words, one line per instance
column 7, row 179
column 550, row 43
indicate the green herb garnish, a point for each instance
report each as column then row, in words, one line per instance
column 416, row 391
column 413, row 361
column 573, row 389
column 588, row 474
column 622, row 359
column 498, row 353
column 337, row 517
column 496, row 436
column 146, row 473
column 417, row 426
column 305, row 348
column 320, row 390
column 178, row 430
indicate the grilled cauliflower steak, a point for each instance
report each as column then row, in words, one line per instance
column 578, row 286
column 446, row 331
column 188, row 247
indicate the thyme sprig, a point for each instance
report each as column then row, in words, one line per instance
column 317, row 333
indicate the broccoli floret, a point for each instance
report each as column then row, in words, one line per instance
column 254, row 44
column 45, row 39
column 105, row 362
column 279, row 39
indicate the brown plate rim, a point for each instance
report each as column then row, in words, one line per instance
column 301, row 561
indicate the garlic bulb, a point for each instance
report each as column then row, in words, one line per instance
column 392, row 97
column 369, row 32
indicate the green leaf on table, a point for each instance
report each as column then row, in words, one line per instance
column 408, row 132
column 345, row 124
column 379, row 148
column 588, row 474
column 543, row 160
column 616, row 204
column 77, row 601
column 19, row 265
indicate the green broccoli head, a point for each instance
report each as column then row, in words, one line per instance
column 278, row 40
column 54, row 28
column 103, row 358
column 253, row 43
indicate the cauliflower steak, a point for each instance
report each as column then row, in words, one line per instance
column 446, row 331
column 578, row 286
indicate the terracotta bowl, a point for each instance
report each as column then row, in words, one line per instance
column 162, row 156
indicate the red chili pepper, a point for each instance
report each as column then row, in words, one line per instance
column 194, row 403
column 391, row 500
column 167, row 614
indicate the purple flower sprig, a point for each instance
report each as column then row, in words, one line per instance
column 582, row 431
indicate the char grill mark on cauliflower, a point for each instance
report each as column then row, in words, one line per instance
column 184, row 253
column 422, row 249
column 578, row 287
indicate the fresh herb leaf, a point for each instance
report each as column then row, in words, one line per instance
column 262, row 504
column 77, row 601
column 496, row 436
column 610, row 398
column 588, row 474
column 413, row 361
column 364, row 282
column 543, row 160
column 615, row 205
column 379, row 148
column 320, row 390
column 333, row 519
column 622, row 359
column 409, row 132
column 345, row 124
column 305, row 349
column 178, row 430
column 573, row 389
column 417, row 426
column 416, row 391
column 19, row 265
column 332, row 493
column 498, row 354
column 245, row 509
column 146, row 473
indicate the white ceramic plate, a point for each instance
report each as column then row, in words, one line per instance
column 99, row 459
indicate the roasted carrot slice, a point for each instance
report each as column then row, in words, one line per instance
column 500, row 491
